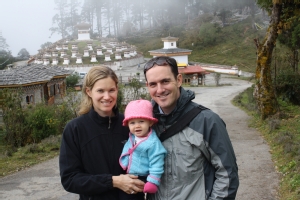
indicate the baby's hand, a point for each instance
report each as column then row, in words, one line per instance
column 150, row 188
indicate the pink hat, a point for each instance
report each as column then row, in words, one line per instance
column 138, row 109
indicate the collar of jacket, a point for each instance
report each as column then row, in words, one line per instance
column 104, row 120
column 186, row 96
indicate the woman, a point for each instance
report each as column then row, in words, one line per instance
column 93, row 142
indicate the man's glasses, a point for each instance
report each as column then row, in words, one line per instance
column 160, row 61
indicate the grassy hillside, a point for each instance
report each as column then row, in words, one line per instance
column 232, row 45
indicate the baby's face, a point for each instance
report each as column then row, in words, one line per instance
column 139, row 127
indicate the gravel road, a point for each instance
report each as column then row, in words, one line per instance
column 258, row 178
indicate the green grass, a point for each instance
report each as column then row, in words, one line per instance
column 14, row 160
column 282, row 132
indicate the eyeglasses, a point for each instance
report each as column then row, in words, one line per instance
column 160, row 61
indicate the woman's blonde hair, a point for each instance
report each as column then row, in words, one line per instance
column 95, row 73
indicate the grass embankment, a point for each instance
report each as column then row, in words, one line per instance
column 14, row 160
column 282, row 132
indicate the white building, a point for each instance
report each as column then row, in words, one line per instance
column 78, row 58
column 65, row 46
column 63, row 52
column 126, row 53
column 74, row 52
column 54, row 61
column 46, row 60
column 83, row 31
column 86, row 52
column 99, row 50
column 170, row 49
column 66, row 60
column 93, row 57
column 107, row 56
column 54, row 53
column 74, row 45
column 90, row 45
column 109, row 49
column 118, row 55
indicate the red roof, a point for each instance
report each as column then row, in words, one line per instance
column 192, row 69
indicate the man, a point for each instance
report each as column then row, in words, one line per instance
column 200, row 162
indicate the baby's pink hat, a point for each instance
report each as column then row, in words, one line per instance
column 138, row 109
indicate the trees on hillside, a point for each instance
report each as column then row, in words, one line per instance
column 111, row 16
column 61, row 21
column 282, row 13
column 23, row 54
column 5, row 55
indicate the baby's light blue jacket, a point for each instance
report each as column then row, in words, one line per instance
column 145, row 158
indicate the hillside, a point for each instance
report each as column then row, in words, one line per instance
column 229, row 45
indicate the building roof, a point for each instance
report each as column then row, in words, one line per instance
column 30, row 74
column 169, row 39
column 191, row 69
column 170, row 51
column 83, row 26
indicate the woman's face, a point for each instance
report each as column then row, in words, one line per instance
column 104, row 96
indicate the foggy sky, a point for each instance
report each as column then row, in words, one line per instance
column 26, row 23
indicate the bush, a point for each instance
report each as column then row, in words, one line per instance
column 16, row 132
column 208, row 34
column 42, row 122
column 72, row 79
column 288, row 87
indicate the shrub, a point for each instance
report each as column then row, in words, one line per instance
column 16, row 132
column 42, row 122
column 208, row 34
column 72, row 79
column 288, row 86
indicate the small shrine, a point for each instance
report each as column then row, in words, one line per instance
column 46, row 60
column 66, row 60
column 74, row 52
column 99, row 50
column 78, row 58
column 83, row 31
column 107, row 56
column 93, row 57
column 86, row 52
column 118, row 55
column 170, row 49
column 54, row 61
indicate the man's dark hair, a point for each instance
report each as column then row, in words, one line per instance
column 162, row 61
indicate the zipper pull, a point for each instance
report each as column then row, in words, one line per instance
column 109, row 122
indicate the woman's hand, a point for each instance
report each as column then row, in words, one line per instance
column 128, row 183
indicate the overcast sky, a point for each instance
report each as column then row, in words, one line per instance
column 26, row 23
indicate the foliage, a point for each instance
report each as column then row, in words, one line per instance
column 64, row 113
column 209, row 33
column 14, row 118
column 72, row 79
column 42, row 122
column 46, row 45
column 5, row 58
column 31, row 154
column 23, row 54
column 288, row 86
column 72, row 100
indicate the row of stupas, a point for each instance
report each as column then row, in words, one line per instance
column 66, row 50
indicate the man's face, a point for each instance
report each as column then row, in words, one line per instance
column 163, row 87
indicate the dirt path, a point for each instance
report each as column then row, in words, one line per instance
column 258, row 179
